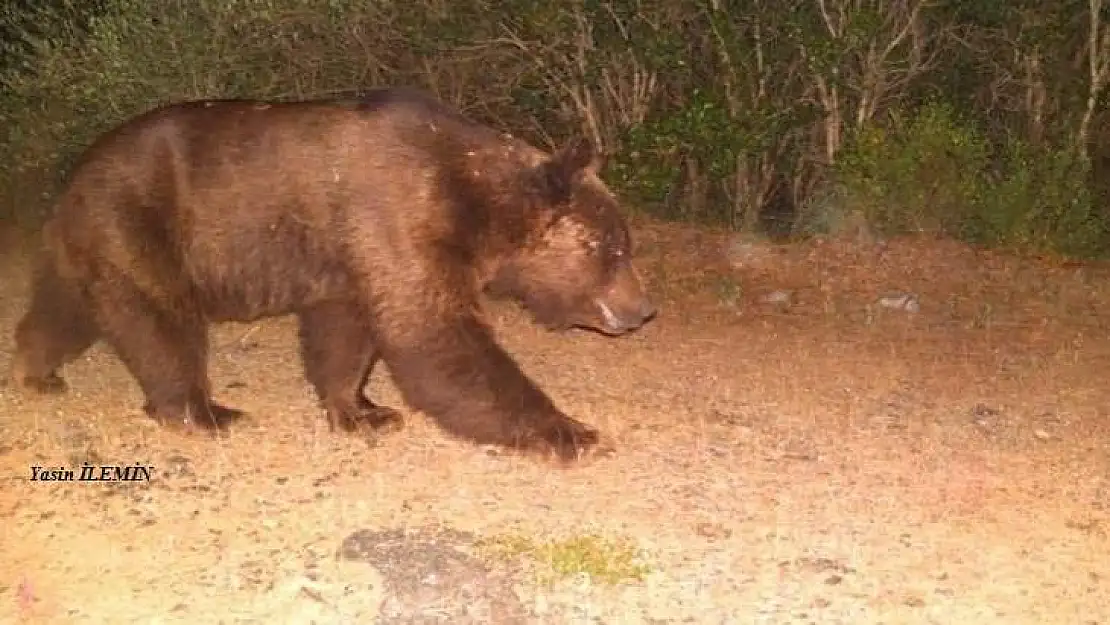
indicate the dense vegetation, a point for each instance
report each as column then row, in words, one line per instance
column 982, row 119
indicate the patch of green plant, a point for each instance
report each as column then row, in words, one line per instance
column 935, row 172
column 606, row 561
column 653, row 167
column 917, row 174
column 1040, row 201
column 707, row 112
column 728, row 290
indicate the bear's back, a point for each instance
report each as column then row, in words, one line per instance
column 215, row 130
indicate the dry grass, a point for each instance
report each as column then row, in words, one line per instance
column 827, row 462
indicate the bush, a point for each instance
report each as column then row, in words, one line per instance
column 1041, row 201
column 664, row 156
column 920, row 174
column 707, row 111
column 936, row 173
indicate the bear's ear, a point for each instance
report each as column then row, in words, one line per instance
column 561, row 170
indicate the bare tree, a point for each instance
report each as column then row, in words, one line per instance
column 756, row 80
column 1098, row 64
column 606, row 87
column 862, row 57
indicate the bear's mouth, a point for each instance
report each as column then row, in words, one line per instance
column 594, row 314
column 622, row 320
column 610, row 323
column 604, row 319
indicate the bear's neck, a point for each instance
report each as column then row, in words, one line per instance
column 499, row 215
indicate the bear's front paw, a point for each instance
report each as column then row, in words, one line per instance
column 569, row 440
column 213, row 419
column 365, row 417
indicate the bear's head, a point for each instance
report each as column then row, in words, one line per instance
column 576, row 267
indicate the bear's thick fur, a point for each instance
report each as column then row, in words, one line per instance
column 377, row 220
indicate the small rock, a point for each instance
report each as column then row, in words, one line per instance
column 713, row 531
column 901, row 301
column 914, row 602
column 779, row 297
column 983, row 415
column 983, row 411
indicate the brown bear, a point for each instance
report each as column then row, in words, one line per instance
column 378, row 221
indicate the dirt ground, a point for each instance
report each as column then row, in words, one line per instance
column 787, row 451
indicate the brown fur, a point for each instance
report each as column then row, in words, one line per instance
column 378, row 221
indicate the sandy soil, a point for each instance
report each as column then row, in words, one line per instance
column 819, row 460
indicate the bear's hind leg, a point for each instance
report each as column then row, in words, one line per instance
column 165, row 348
column 55, row 331
column 338, row 353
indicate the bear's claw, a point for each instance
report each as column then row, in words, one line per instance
column 567, row 439
column 214, row 420
column 365, row 416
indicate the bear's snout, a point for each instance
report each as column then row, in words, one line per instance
column 624, row 307
column 622, row 320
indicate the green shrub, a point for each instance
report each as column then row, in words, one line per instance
column 704, row 107
column 610, row 561
column 936, row 173
column 920, row 174
column 1040, row 201
column 653, row 165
